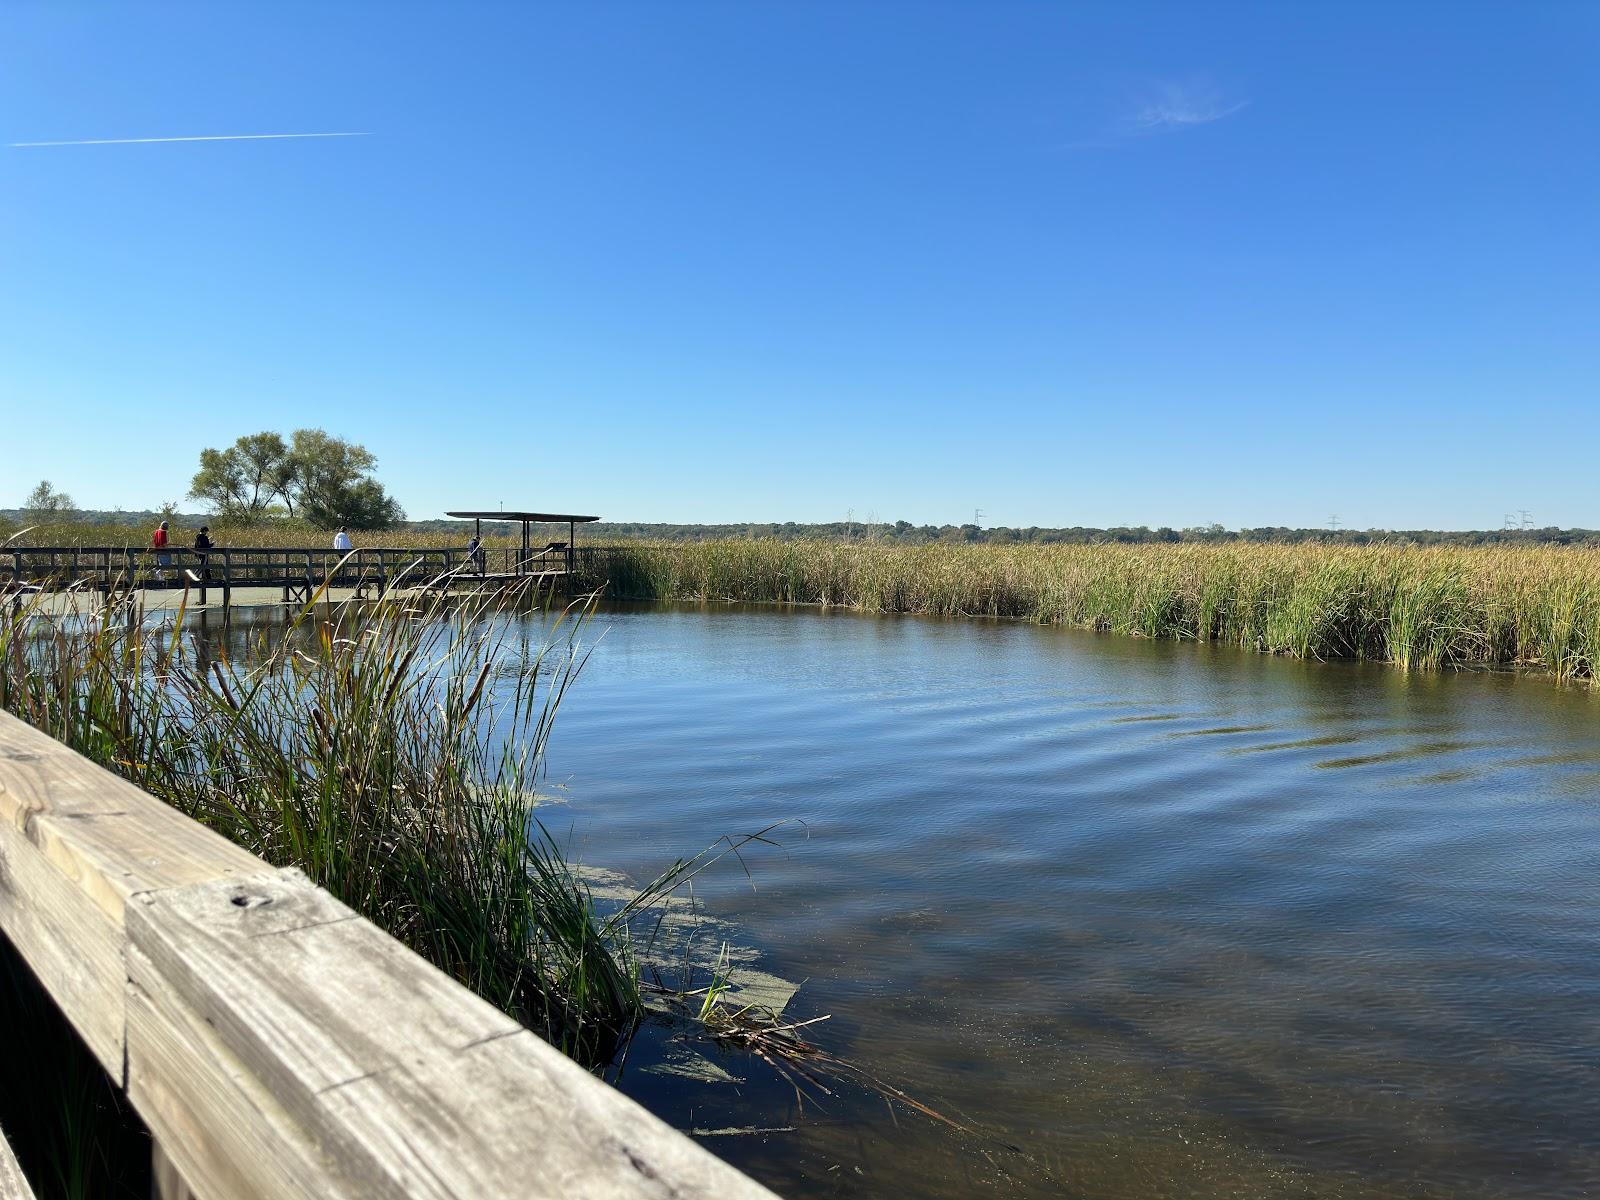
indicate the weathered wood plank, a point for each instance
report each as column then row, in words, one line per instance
column 68, row 941
column 515, row 1117
column 166, row 1183
column 13, row 1184
column 407, row 1082
column 113, row 839
column 277, row 1044
column 75, row 843
column 221, row 1131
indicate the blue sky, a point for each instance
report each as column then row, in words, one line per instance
column 1069, row 264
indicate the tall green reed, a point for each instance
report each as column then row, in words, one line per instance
column 1418, row 608
column 391, row 753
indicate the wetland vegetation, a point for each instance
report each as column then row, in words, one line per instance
column 391, row 754
column 1515, row 604
column 704, row 720
column 1414, row 607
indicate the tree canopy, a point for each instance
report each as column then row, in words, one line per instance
column 320, row 478
column 45, row 501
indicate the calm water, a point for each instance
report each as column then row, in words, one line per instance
column 1169, row 920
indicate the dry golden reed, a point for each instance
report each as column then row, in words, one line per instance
column 1416, row 607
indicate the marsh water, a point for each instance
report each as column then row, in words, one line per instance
column 1170, row 920
column 1147, row 919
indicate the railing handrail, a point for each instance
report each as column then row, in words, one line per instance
column 218, row 548
column 277, row 1044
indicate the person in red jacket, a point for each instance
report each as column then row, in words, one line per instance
column 158, row 542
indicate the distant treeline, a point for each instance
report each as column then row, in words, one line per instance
column 905, row 533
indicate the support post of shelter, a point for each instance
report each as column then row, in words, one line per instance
column 544, row 562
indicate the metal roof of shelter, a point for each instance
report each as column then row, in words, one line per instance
column 521, row 516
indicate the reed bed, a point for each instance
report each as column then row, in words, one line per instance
column 389, row 753
column 1418, row 608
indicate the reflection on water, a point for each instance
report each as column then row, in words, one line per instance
column 1177, row 921
column 1170, row 919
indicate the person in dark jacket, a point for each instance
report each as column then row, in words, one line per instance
column 202, row 550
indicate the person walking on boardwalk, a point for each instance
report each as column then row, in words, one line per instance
column 202, row 550
column 158, row 543
column 342, row 542
column 475, row 553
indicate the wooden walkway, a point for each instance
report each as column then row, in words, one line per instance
column 297, row 573
column 278, row 1045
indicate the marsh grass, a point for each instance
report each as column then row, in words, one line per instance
column 391, row 754
column 1418, row 608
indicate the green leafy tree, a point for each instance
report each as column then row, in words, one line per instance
column 268, row 468
column 244, row 481
column 220, row 482
column 324, row 479
column 334, row 485
column 45, row 501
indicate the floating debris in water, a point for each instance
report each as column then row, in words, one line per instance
column 738, row 1130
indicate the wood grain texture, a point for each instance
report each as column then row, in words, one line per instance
column 279, row 1045
column 166, row 1183
column 221, row 1131
column 408, row 1083
column 112, row 839
column 75, row 843
column 68, row 941
column 13, row 1185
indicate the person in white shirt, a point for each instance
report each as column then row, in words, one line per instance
column 341, row 541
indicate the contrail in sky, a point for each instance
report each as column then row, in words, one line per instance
column 220, row 137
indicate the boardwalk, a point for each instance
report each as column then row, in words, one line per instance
column 247, row 575
column 257, row 575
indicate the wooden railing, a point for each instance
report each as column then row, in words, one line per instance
column 12, row 1184
column 275, row 1043
column 296, row 570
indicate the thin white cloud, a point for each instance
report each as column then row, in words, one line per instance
column 1163, row 108
column 220, row 137
column 1177, row 106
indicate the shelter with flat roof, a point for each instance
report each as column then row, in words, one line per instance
column 531, row 561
